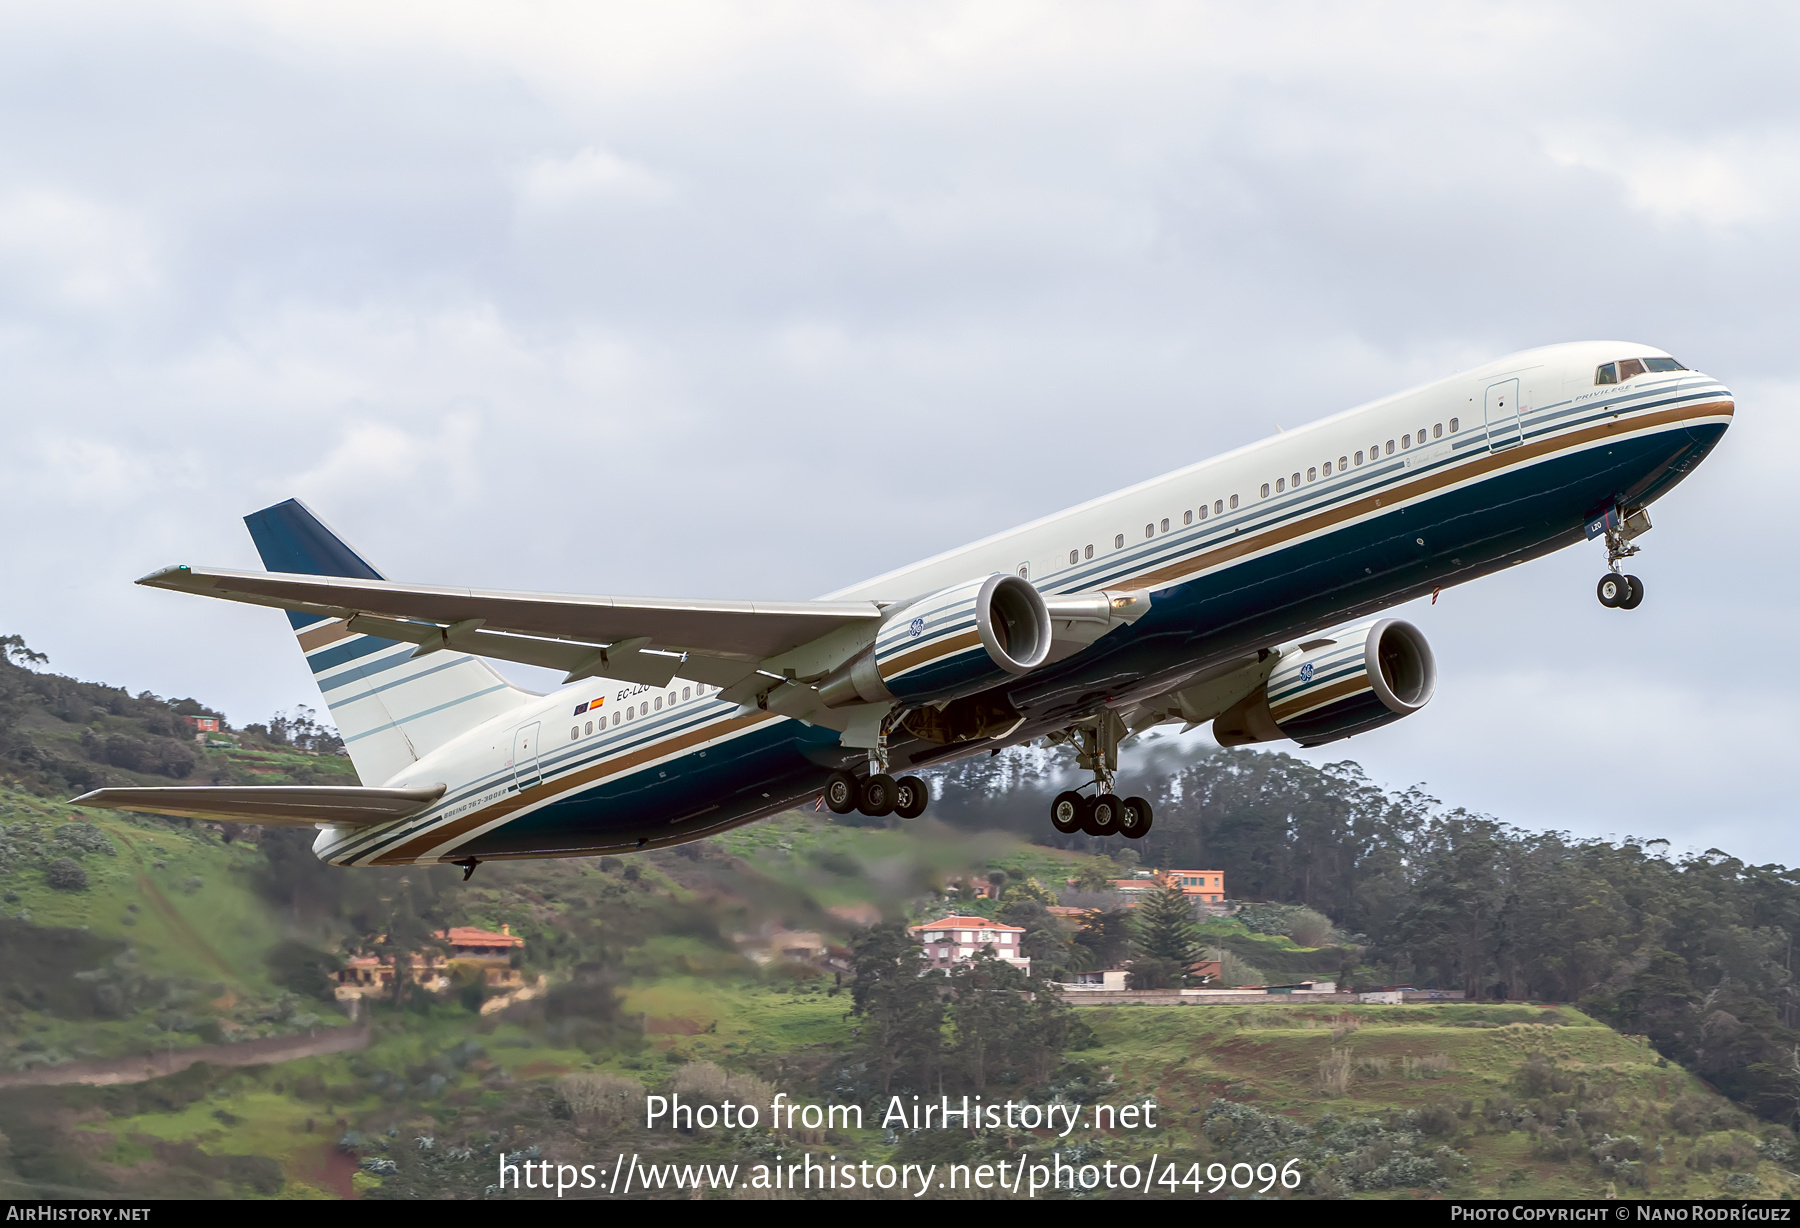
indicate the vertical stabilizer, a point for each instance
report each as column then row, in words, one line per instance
column 390, row 707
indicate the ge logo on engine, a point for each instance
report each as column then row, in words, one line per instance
column 916, row 628
column 1306, row 672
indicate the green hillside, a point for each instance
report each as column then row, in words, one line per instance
column 1514, row 1100
column 122, row 936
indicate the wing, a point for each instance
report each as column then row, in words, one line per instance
column 634, row 639
column 272, row 805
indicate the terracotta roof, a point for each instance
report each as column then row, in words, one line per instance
column 469, row 936
column 966, row 923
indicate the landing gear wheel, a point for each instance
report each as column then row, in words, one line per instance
column 1612, row 590
column 1134, row 818
column 1635, row 597
column 1102, row 816
column 878, row 795
column 1067, row 812
column 841, row 790
column 910, row 797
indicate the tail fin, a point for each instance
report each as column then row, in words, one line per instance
column 391, row 708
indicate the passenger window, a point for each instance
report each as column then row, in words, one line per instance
column 1089, row 552
column 1024, row 571
column 574, row 733
column 1203, row 511
column 1280, row 485
column 1406, row 441
column 1294, row 481
column 589, row 729
column 1187, row 517
column 1234, row 503
column 1609, row 374
column 1454, row 424
column 615, row 718
column 1343, row 463
column 1421, row 437
column 1437, row 431
column 1074, row 557
column 659, row 703
column 1118, row 541
column 1312, row 475
column 684, row 694
column 1265, row 490
column 1149, row 531
column 1390, row 450
column 1359, row 456
column 1165, row 524
column 1629, row 368
column 1219, row 505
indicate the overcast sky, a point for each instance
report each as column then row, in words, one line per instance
column 642, row 299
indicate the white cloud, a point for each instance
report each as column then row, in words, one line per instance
column 66, row 250
column 589, row 176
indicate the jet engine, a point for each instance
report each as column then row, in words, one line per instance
column 954, row 642
column 1333, row 686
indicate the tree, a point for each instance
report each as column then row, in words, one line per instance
column 1166, row 932
column 900, row 1034
column 1107, row 935
column 1095, row 874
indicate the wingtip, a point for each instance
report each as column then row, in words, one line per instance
column 164, row 577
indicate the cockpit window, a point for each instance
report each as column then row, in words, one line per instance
column 1619, row 372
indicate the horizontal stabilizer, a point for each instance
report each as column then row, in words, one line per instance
column 272, row 805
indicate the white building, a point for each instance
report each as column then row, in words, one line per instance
column 951, row 940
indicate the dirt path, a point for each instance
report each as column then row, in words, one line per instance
column 178, row 924
column 155, row 1065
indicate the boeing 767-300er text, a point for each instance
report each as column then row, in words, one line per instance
column 1244, row 590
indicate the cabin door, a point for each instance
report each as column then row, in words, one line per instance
column 1503, row 415
column 525, row 756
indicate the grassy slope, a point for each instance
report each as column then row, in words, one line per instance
column 697, row 1001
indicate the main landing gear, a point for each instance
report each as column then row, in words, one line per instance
column 1616, row 590
column 1104, row 814
column 878, row 794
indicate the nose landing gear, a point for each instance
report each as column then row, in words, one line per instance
column 1616, row 590
column 1619, row 592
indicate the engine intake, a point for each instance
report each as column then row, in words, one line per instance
column 1357, row 679
column 954, row 642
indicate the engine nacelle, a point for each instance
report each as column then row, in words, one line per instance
column 1355, row 680
column 954, row 642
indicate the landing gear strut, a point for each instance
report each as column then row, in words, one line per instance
column 1616, row 590
column 468, row 866
column 1103, row 814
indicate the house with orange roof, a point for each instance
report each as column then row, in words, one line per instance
column 949, row 941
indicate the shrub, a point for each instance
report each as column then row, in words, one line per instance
column 604, row 1099
column 66, row 874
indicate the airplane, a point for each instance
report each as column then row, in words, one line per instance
column 1246, row 591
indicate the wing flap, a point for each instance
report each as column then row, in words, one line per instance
column 271, row 805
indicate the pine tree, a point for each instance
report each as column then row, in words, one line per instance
column 1167, row 936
